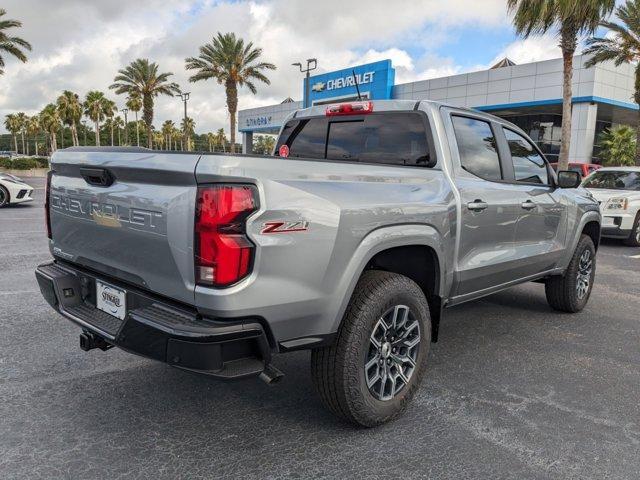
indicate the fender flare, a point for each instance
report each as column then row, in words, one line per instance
column 589, row 216
column 377, row 241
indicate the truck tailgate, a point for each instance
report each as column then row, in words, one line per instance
column 138, row 228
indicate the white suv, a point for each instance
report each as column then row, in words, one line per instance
column 617, row 189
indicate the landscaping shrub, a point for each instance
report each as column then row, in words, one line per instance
column 24, row 163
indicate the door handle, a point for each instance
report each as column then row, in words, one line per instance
column 528, row 205
column 477, row 205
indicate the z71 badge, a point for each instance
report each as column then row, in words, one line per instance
column 285, row 227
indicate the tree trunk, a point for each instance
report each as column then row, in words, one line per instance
column 137, row 130
column 27, row 145
column 232, row 105
column 23, row 148
column 97, row 134
column 36, row 145
column 119, row 139
column 112, row 133
column 54, row 141
column 636, row 97
column 147, row 116
column 568, row 40
column 15, row 142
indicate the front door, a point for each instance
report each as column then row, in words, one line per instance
column 540, row 230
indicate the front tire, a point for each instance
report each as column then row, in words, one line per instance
column 373, row 369
column 634, row 238
column 4, row 197
column 571, row 291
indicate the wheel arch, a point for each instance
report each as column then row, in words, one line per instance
column 8, row 192
column 589, row 224
column 403, row 249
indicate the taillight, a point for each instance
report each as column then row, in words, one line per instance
column 47, row 206
column 352, row 108
column 223, row 252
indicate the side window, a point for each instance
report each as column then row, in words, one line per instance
column 477, row 147
column 305, row 138
column 528, row 164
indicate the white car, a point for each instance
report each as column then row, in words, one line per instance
column 617, row 189
column 14, row 190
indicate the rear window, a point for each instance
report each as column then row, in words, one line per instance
column 389, row 138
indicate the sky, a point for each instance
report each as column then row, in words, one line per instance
column 79, row 45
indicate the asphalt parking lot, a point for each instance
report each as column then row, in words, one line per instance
column 513, row 391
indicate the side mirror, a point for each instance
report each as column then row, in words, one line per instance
column 569, row 179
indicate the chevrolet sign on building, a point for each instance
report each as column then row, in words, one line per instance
column 375, row 80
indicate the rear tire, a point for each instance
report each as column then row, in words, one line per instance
column 570, row 292
column 634, row 238
column 4, row 197
column 387, row 313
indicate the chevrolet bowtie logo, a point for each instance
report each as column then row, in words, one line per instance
column 318, row 87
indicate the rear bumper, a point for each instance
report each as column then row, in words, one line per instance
column 159, row 330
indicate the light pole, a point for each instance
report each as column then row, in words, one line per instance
column 126, row 125
column 185, row 96
column 312, row 64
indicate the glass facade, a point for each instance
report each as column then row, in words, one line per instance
column 546, row 131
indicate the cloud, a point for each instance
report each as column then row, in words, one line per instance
column 533, row 49
column 80, row 45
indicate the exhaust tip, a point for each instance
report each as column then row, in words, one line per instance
column 271, row 375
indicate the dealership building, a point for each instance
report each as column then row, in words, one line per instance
column 529, row 95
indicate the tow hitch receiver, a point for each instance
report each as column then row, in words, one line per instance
column 89, row 341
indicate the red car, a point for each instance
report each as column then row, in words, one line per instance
column 583, row 169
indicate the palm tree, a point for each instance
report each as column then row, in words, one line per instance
column 141, row 77
column 188, row 126
column 176, row 135
column 572, row 19
column 22, row 123
column 167, row 130
column 33, row 129
column 622, row 45
column 12, row 124
column 50, row 121
column 158, row 139
column 221, row 138
column 118, row 123
column 618, row 146
column 233, row 64
column 97, row 107
column 134, row 103
column 211, row 140
column 70, row 110
column 110, row 111
column 11, row 45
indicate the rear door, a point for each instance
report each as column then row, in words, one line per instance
column 540, row 229
column 137, row 226
column 489, row 209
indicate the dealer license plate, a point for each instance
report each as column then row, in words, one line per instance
column 111, row 300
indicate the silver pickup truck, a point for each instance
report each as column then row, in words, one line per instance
column 370, row 219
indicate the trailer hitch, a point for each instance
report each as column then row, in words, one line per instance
column 89, row 341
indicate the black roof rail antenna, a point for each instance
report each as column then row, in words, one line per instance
column 355, row 79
